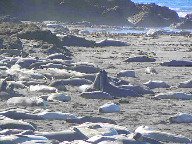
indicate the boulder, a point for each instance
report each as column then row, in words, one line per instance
column 38, row 34
column 189, row 16
column 186, row 24
column 72, row 40
column 152, row 15
column 12, row 42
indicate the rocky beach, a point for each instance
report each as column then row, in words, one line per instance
column 82, row 81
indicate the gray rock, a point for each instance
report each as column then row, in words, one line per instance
column 178, row 63
column 71, row 40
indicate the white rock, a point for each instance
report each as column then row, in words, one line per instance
column 181, row 118
column 58, row 97
column 109, row 108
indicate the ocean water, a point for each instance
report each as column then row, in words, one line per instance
column 182, row 7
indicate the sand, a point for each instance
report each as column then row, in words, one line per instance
column 138, row 110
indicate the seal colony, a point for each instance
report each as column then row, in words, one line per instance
column 102, row 88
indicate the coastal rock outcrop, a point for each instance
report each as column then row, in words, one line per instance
column 186, row 24
column 111, row 12
column 38, row 34
column 152, row 15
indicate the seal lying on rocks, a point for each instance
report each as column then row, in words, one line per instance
column 20, row 114
column 185, row 84
column 66, row 135
column 181, row 118
column 140, row 59
column 8, row 139
column 109, row 108
column 174, row 95
column 156, row 84
column 5, row 87
column 178, row 63
column 102, row 83
column 161, row 136
column 7, row 123
column 111, row 42
column 26, row 101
